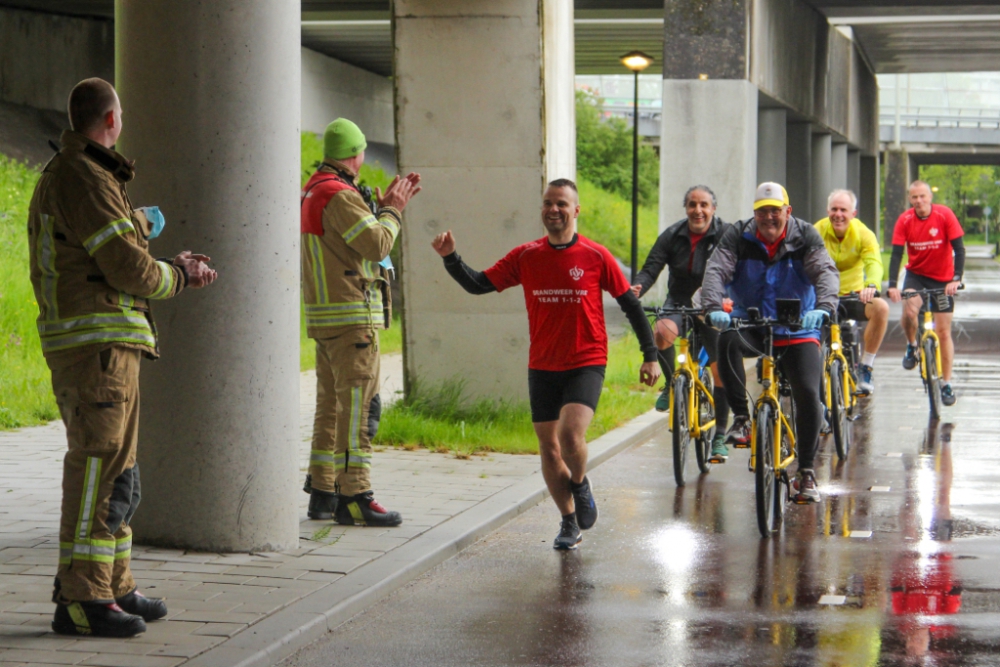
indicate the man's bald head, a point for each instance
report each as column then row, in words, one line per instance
column 90, row 103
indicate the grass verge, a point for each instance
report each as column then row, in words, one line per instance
column 441, row 420
column 25, row 387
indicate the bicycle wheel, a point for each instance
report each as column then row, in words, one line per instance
column 764, row 470
column 781, row 477
column 838, row 410
column 706, row 413
column 680, row 424
column 932, row 381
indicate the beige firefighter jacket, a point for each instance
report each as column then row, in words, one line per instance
column 343, row 284
column 91, row 269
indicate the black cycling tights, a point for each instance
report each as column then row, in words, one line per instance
column 802, row 364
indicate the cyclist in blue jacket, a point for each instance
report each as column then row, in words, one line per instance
column 768, row 257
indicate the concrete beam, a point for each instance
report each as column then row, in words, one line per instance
column 821, row 175
column 838, row 167
column 210, row 92
column 772, row 145
column 42, row 56
column 485, row 144
column 693, row 112
column 799, row 168
column 869, row 208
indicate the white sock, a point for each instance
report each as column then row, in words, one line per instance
column 868, row 359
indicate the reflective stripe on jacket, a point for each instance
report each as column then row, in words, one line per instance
column 342, row 281
column 90, row 265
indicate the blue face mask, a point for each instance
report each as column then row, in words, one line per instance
column 156, row 220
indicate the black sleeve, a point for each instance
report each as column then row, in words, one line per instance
column 894, row 262
column 655, row 261
column 632, row 308
column 473, row 282
column 958, row 245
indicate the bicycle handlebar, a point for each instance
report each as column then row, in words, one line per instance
column 675, row 310
column 929, row 292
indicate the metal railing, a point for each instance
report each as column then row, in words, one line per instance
column 986, row 119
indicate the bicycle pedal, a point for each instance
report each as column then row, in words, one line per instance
column 738, row 445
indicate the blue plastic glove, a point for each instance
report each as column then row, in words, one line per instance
column 814, row 319
column 720, row 319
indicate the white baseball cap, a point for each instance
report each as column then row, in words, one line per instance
column 770, row 194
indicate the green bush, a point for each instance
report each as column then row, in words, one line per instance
column 25, row 387
column 607, row 218
column 604, row 153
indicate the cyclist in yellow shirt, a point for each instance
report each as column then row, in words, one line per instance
column 856, row 253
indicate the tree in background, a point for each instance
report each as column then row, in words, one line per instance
column 604, row 152
column 968, row 190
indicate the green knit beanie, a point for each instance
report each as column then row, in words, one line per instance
column 343, row 139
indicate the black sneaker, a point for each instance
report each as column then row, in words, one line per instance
column 739, row 433
column 364, row 510
column 804, row 489
column 96, row 619
column 586, row 506
column 948, row 394
column 910, row 357
column 569, row 534
column 150, row 609
column 322, row 505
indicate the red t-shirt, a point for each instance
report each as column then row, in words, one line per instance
column 772, row 248
column 562, row 291
column 928, row 242
column 694, row 244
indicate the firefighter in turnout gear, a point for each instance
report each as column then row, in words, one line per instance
column 94, row 279
column 346, row 238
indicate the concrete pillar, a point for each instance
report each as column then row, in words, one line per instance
column 772, row 145
column 838, row 166
column 897, row 180
column 799, row 168
column 483, row 149
column 854, row 170
column 693, row 112
column 822, row 181
column 869, row 209
column 211, row 99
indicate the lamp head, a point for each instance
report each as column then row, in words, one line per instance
column 636, row 61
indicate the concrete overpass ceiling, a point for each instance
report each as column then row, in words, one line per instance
column 104, row 9
column 902, row 36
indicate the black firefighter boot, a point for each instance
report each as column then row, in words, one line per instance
column 364, row 510
column 322, row 505
column 151, row 609
column 96, row 619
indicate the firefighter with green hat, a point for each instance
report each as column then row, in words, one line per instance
column 347, row 233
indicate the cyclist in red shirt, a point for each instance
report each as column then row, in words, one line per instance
column 563, row 276
column 932, row 238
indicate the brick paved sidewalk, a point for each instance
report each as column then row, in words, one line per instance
column 211, row 596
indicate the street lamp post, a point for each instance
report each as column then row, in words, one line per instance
column 635, row 61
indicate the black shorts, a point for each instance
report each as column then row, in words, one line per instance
column 706, row 335
column 549, row 391
column 852, row 309
column 939, row 303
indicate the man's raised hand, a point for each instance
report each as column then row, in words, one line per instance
column 399, row 192
column 444, row 244
column 196, row 267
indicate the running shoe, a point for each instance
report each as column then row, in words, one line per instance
column 586, row 506
column 865, row 384
column 948, row 394
column 720, row 453
column 910, row 358
column 825, row 428
column 569, row 535
column 804, row 489
column 663, row 400
column 739, row 433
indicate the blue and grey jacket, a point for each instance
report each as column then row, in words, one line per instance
column 801, row 269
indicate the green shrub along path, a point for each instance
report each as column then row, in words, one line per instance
column 25, row 386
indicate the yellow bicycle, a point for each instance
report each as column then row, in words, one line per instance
column 929, row 349
column 692, row 408
column 772, row 434
column 840, row 393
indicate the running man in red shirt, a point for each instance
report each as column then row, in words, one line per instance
column 932, row 238
column 563, row 275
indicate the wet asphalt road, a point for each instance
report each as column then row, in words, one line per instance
column 899, row 565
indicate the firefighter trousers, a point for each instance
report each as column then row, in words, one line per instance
column 98, row 399
column 348, row 410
